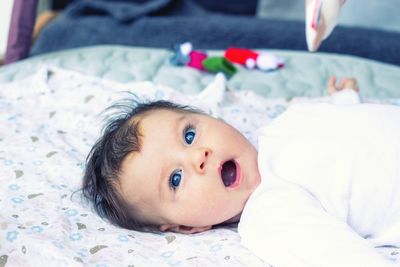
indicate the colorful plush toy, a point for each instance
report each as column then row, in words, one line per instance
column 252, row 59
column 321, row 19
column 184, row 55
column 181, row 54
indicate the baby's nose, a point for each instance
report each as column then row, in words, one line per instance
column 201, row 158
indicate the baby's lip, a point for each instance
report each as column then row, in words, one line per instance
column 230, row 173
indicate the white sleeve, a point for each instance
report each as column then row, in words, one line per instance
column 288, row 227
column 346, row 97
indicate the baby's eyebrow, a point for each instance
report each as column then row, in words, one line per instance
column 180, row 119
column 161, row 180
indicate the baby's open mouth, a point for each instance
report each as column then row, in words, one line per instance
column 229, row 173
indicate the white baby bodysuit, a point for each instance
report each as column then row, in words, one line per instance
column 330, row 189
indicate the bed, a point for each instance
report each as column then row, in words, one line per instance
column 50, row 113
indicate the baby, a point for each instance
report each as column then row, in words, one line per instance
column 323, row 189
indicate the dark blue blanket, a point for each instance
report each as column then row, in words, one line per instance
column 162, row 23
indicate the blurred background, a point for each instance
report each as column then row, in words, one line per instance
column 22, row 21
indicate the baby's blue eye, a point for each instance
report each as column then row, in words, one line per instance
column 175, row 179
column 189, row 134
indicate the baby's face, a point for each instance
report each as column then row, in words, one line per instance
column 192, row 170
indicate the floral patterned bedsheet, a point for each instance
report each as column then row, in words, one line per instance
column 49, row 122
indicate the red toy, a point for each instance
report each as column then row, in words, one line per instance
column 252, row 59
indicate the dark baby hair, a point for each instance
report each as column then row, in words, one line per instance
column 119, row 137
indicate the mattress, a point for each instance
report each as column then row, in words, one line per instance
column 51, row 113
column 305, row 74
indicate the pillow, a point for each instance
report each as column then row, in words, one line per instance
column 281, row 9
column 382, row 15
column 239, row 7
column 21, row 29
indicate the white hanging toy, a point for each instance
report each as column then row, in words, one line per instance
column 321, row 19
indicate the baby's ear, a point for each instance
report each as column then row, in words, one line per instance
column 182, row 229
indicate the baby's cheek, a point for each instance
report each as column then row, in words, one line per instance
column 203, row 212
column 219, row 210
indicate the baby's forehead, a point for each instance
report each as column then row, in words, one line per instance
column 155, row 121
column 161, row 123
column 161, row 114
column 150, row 115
